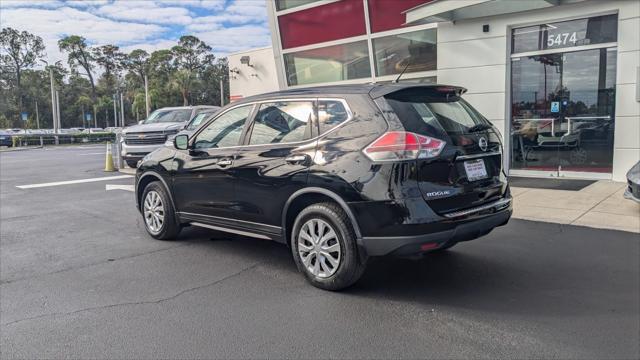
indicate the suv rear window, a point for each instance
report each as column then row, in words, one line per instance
column 434, row 115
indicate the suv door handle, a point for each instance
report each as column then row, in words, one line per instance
column 297, row 159
column 224, row 162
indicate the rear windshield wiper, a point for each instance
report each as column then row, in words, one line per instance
column 479, row 127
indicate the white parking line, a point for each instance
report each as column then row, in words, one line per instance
column 119, row 187
column 70, row 182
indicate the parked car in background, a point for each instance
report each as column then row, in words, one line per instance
column 16, row 131
column 150, row 134
column 633, row 181
column 73, row 130
column 339, row 174
column 35, row 132
column 95, row 130
column 6, row 138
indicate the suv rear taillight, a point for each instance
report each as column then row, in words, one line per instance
column 403, row 145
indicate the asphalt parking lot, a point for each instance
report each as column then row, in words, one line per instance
column 80, row 278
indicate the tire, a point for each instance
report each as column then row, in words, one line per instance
column 333, row 270
column 131, row 163
column 164, row 226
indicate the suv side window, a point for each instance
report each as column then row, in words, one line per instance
column 282, row 122
column 224, row 130
column 331, row 113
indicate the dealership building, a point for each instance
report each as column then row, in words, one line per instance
column 559, row 78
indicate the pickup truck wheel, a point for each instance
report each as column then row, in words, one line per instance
column 158, row 214
column 324, row 247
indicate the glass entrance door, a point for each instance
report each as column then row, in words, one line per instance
column 563, row 112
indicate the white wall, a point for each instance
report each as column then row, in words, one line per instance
column 260, row 77
column 479, row 61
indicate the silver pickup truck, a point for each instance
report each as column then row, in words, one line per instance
column 162, row 125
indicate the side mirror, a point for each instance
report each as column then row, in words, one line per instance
column 181, row 142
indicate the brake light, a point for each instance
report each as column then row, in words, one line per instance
column 403, row 145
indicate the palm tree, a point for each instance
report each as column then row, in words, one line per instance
column 183, row 80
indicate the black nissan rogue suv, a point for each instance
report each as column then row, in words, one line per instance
column 337, row 173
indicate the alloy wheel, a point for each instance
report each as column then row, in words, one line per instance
column 153, row 212
column 319, row 248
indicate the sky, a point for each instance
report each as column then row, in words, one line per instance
column 225, row 25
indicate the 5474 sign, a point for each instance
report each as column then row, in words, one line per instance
column 562, row 39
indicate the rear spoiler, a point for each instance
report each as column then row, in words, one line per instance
column 383, row 90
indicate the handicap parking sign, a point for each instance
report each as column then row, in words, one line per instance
column 555, row 106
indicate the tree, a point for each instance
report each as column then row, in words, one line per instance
column 20, row 50
column 5, row 123
column 161, row 68
column 138, row 62
column 210, row 83
column 111, row 60
column 187, row 73
column 105, row 104
column 183, row 81
column 191, row 55
column 84, row 102
column 79, row 55
column 139, row 104
column 76, row 86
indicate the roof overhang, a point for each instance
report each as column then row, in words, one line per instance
column 453, row 10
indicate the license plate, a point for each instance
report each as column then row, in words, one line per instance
column 475, row 169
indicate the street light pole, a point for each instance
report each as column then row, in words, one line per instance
column 115, row 112
column 53, row 102
column 221, row 93
column 122, row 108
column 146, row 93
column 37, row 116
column 58, row 109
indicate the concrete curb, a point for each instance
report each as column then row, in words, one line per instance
column 128, row 171
column 20, row 148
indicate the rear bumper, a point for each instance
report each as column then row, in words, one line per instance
column 439, row 232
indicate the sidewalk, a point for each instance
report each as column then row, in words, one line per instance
column 598, row 205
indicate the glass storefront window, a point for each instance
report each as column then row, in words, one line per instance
column 563, row 101
column 288, row 4
column 558, row 35
column 414, row 50
column 328, row 64
column 563, row 111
